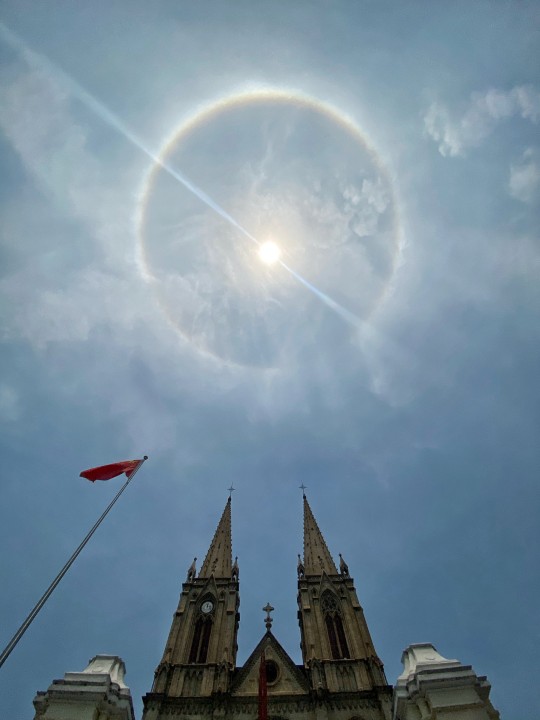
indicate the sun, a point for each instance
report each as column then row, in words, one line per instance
column 269, row 252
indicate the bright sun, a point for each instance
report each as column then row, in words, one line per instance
column 269, row 252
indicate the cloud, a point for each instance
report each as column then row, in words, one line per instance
column 455, row 135
column 35, row 117
column 365, row 206
column 524, row 179
column 86, row 227
column 477, row 274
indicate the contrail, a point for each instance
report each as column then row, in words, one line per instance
column 40, row 62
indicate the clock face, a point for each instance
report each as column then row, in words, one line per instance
column 207, row 607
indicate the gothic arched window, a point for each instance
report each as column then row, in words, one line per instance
column 202, row 631
column 334, row 626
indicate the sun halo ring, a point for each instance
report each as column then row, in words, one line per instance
column 205, row 113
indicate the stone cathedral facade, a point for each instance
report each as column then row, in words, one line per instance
column 341, row 676
column 198, row 677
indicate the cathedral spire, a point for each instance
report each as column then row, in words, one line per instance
column 218, row 560
column 317, row 558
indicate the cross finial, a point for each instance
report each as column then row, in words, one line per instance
column 231, row 490
column 268, row 620
column 303, row 489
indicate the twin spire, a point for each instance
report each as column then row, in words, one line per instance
column 218, row 560
column 317, row 558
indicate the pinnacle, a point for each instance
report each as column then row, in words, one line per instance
column 218, row 560
column 317, row 558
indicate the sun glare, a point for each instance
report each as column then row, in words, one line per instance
column 269, row 252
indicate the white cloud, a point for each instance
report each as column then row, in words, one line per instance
column 524, row 182
column 455, row 135
column 42, row 314
column 41, row 303
column 432, row 300
column 376, row 194
column 362, row 206
column 41, row 118
column 35, row 117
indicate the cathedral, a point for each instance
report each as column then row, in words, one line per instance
column 341, row 676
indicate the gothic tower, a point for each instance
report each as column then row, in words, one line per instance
column 337, row 648
column 340, row 678
column 200, row 653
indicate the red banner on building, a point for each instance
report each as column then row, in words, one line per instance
column 263, row 690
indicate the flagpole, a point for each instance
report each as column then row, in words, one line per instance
column 41, row 602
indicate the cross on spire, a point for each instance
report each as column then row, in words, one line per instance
column 231, row 490
column 303, row 489
column 268, row 620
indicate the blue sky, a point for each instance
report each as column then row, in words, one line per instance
column 409, row 409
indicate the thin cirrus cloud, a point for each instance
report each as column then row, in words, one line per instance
column 524, row 181
column 37, row 117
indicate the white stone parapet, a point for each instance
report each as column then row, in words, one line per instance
column 431, row 687
column 98, row 691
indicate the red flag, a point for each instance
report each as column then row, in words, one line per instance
column 263, row 690
column 106, row 472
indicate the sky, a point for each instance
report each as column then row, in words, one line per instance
column 389, row 361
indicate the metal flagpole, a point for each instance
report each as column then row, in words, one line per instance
column 24, row 627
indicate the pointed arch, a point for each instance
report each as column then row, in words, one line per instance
column 334, row 625
column 202, row 630
column 342, row 640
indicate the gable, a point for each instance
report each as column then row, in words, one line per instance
column 289, row 680
column 327, row 584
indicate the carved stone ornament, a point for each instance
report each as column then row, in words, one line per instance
column 329, row 603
